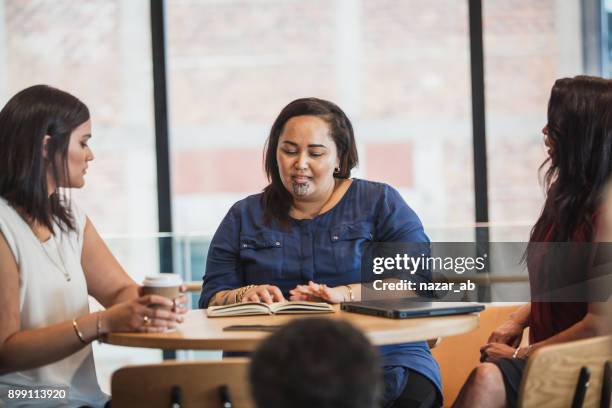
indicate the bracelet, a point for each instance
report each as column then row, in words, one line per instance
column 99, row 327
column 238, row 294
column 241, row 292
column 528, row 351
column 516, row 352
column 77, row 331
column 351, row 296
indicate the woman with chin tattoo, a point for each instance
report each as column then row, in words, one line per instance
column 303, row 237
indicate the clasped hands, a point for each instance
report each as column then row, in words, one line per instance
column 502, row 343
column 314, row 292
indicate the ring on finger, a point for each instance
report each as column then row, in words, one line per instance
column 146, row 321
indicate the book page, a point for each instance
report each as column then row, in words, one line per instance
column 300, row 306
column 237, row 309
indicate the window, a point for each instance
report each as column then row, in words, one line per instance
column 399, row 69
column 99, row 51
column 527, row 45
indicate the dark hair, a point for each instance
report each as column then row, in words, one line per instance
column 581, row 161
column 276, row 200
column 25, row 120
column 316, row 362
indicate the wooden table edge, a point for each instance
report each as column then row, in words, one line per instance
column 457, row 325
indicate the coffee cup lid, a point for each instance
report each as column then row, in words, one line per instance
column 162, row 279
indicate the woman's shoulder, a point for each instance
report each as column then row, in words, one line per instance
column 382, row 198
column 374, row 191
column 368, row 184
column 249, row 203
column 5, row 207
column 8, row 214
column 11, row 228
column 246, row 216
column 246, row 211
column 371, row 185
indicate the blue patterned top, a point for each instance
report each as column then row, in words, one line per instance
column 326, row 249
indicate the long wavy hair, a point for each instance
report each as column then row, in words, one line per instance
column 25, row 120
column 276, row 200
column 581, row 159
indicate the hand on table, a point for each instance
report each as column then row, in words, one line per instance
column 263, row 293
column 149, row 314
column 315, row 292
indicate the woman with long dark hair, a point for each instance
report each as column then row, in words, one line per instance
column 578, row 136
column 51, row 258
column 304, row 236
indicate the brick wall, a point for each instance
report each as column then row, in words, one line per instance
column 399, row 68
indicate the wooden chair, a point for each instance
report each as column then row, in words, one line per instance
column 199, row 381
column 552, row 373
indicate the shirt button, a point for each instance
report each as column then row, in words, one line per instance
column 277, row 243
column 335, row 238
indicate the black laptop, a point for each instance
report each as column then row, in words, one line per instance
column 410, row 308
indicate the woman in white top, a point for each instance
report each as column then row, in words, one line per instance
column 51, row 258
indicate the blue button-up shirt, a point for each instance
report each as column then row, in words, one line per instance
column 326, row 249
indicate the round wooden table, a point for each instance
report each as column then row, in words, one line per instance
column 199, row 332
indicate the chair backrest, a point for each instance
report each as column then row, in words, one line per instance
column 150, row 385
column 552, row 372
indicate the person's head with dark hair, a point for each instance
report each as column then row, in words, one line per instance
column 580, row 158
column 319, row 363
column 311, row 144
column 43, row 138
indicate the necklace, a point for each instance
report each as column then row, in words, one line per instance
column 32, row 227
column 61, row 267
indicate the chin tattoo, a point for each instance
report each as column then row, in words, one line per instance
column 300, row 189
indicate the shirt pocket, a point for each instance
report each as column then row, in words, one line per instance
column 261, row 256
column 347, row 244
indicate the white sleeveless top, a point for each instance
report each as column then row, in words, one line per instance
column 46, row 297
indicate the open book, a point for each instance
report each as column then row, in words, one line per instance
column 258, row 308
